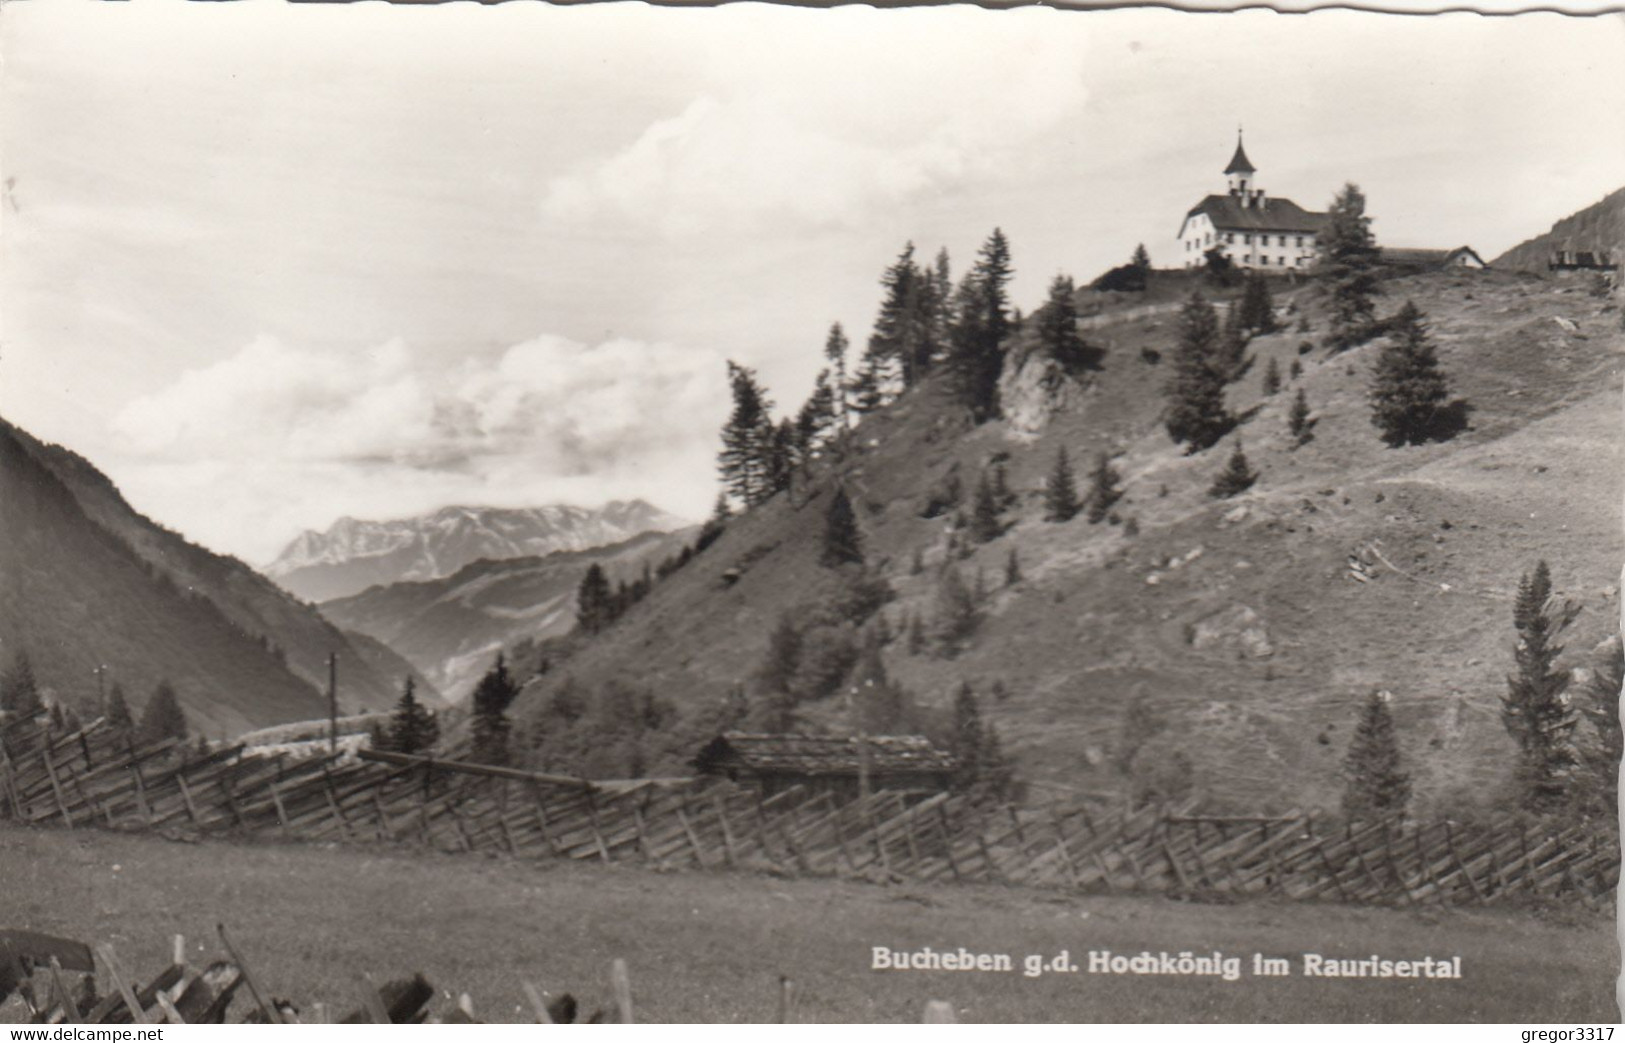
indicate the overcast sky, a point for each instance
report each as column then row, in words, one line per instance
column 267, row 265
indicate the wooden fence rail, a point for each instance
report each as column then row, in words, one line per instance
column 100, row 777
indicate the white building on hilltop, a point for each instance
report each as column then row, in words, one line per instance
column 1254, row 230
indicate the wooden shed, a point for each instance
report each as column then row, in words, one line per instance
column 1421, row 260
column 827, row 763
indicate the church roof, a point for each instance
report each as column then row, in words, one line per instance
column 1239, row 163
column 1274, row 215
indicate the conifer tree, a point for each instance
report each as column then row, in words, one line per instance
column 1298, row 420
column 1408, row 389
column 1141, row 259
column 1002, row 496
column 1257, row 308
column 1295, row 370
column 412, row 728
column 595, row 608
column 490, row 726
column 117, row 710
column 1058, row 325
column 835, row 348
column 967, row 742
column 1272, row 377
column 163, row 717
column 1196, row 414
column 1374, row 785
column 781, row 457
column 1236, row 478
column 894, row 342
column 747, row 439
column 713, row 528
column 957, row 614
column 843, row 544
column 1012, row 569
column 815, row 424
column 878, row 702
column 1600, row 706
column 982, row 307
column 19, row 691
column 984, row 521
column 1349, row 258
column 866, row 393
column 782, row 657
column 1230, row 351
column 1103, row 489
column 1060, row 493
column 1535, row 710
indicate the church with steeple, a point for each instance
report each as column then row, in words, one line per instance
column 1254, row 230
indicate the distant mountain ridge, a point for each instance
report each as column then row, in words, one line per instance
column 353, row 554
column 86, row 581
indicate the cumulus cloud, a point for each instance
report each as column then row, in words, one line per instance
column 276, row 437
column 827, row 127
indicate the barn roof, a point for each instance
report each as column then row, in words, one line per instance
column 823, row 754
column 1277, row 214
column 1424, row 257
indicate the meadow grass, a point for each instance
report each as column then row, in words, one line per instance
column 711, row 946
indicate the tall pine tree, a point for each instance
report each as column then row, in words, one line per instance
column 982, row 309
column 412, row 728
column 1257, row 309
column 1374, row 785
column 1103, row 489
column 984, row 520
column 835, row 348
column 490, row 726
column 595, row 608
column 1408, row 389
column 19, row 690
column 843, row 544
column 1298, row 420
column 1060, row 492
column 1236, row 478
column 163, row 717
column 1349, row 259
column 1058, row 325
column 1534, row 710
column 117, row 710
column 747, row 439
column 1196, row 413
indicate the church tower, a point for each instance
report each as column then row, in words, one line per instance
column 1240, row 172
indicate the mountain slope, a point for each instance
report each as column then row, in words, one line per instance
column 1233, row 625
column 291, row 633
column 450, row 628
column 74, row 596
column 1600, row 226
column 353, row 555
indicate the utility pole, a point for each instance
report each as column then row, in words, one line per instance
column 332, row 701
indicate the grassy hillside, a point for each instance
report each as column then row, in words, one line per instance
column 1234, row 623
column 451, row 628
column 75, row 596
column 370, row 677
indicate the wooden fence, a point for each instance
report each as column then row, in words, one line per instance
column 99, row 777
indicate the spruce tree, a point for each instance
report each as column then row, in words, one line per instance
column 894, row 342
column 594, row 603
column 957, row 614
column 1230, row 351
column 984, row 521
column 1272, row 377
column 1374, row 785
column 1298, row 420
column 1257, row 308
column 117, row 711
column 1060, row 492
column 782, row 658
column 747, row 439
column 1002, row 496
column 1236, row 478
column 843, row 544
column 1600, row 705
column 1141, row 259
column 163, row 717
column 781, row 457
column 815, row 424
column 1196, row 414
column 1408, row 389
column 1058, row 325
column 1349, row 259
column 866, row 392
column 490, row 726
column 1535, row 711
column 1295, row 370
column 412, row 728
column 976, row 350
column 1103, row 489
column 967, row 742
column 19, row 690
column 835, row 348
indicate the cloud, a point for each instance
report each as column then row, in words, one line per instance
column 827, row 128
column 274, row 438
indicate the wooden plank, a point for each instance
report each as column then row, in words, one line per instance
column 137, row 1014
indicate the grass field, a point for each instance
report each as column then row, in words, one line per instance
column 711, row 946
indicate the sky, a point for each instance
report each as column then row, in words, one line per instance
column 269, row 265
